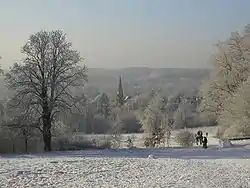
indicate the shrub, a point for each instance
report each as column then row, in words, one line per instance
column 148, row 142
column 156, row 138
column 220, row 132
column 185, row 138
column 81, row 142
column 130, row 141
column 104, row 142
column 116, row 140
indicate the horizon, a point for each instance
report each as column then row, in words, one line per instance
column 115, row 35
column 141, row 67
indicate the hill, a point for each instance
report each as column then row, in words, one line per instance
column 137, row 80
column 142, row 79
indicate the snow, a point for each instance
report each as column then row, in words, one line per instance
column 168, row 167
column 216, row 166
column 151, row 156
column 225, row 144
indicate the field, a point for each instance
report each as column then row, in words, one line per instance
column 168, row 167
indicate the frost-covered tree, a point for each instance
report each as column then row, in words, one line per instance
column 117, row 128
column 22, row 121
column 183, row 115
column 104, row 105
column 231, row 68
column 151, row 117
column 45, row 79
column 1, row 70
column 236, row 121
column 154, row 120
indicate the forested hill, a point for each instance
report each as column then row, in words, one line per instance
column 169, row 80
column 138, row 79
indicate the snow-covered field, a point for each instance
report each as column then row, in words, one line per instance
column 168, row 167
column 172, row 167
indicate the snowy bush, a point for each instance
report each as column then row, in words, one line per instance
column 185, row 138
column 105, row 143
column 130, row 141
column 81, row 142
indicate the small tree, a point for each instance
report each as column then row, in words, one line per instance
column 181, row 116
column 152, row 120
column 185, row 138
column 168, row 127
column 89, row 114
column 151, row 117
column 11, row 134
column 104, row 106
column 116, row 130
column 21, row 121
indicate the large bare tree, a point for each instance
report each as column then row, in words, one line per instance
column 45, row 80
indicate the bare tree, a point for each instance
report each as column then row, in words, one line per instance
column 10, row 134
column 22, row 121
column 43, row 82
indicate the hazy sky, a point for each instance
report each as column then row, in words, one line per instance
column 122, row 33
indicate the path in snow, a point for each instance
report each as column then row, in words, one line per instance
column 184, row 167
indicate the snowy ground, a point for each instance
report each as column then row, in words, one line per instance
column 172, row 167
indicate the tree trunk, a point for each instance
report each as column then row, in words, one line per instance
column 26, row 144
column 13, row 147
column 47, row 140
column 47, row 133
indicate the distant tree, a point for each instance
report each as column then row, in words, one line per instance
column 22, row 121
column 1, row 70
column 151, row 117
column 116, row 130
column 11, row 134
column 181, row 116
column 90, row 119
column 2, row 113
column 45, row 79
column 165, row 123
column 154, row 121
column 104, row 105
column 61, row 129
